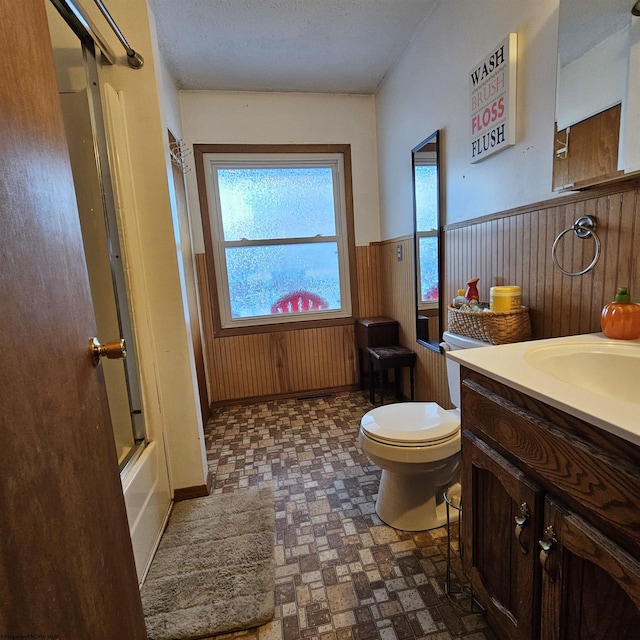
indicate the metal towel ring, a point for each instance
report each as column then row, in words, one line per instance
column 583, row 227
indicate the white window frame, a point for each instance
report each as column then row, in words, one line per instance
column 222, row 160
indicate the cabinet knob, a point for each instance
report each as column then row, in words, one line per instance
column 522, row 522
column 549, row 540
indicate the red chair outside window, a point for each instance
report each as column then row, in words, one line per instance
column 299, row 301
column 431, row 295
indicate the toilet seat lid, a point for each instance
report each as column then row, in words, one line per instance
column 411, row 424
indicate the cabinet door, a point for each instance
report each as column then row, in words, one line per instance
column 590, row 586
column 587, row 152
column 502, row 515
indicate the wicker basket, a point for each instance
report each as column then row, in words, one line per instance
column 496, row 327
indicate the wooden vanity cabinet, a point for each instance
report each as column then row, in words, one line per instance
column 551, row 518
column 500, row 560
column 591, row 586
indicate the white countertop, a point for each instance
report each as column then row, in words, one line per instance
column 507, row 364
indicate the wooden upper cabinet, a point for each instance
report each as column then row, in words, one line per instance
column 586, row 153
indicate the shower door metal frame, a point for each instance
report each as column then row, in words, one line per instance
column 88, row 41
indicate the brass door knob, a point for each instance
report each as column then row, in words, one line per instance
column 113, row 350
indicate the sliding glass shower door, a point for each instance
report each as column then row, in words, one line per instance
column 79, row 96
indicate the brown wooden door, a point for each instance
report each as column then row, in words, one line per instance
column 499, row 556
column 66, row 562
column 590, row 586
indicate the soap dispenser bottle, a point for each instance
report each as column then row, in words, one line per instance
column 620, row 319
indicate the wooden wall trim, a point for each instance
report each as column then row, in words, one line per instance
column 396, row 240
column 297, row 395
column 196, row 491
column 206, row 314
column 610, row 188
column 188, row 493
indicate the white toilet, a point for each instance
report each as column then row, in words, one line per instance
column 417, row 446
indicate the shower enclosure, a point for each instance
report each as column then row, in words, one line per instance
column 78, row 88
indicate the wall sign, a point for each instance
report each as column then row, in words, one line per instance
column 492, row 94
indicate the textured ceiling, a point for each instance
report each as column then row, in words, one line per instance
column 332, row 46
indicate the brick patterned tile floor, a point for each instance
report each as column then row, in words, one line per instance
column 341, row 573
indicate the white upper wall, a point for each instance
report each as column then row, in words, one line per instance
column 605, row 66
column 228, row 117
column 429, row 89
column 169, row 96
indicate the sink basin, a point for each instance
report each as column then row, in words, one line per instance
column 610, row 369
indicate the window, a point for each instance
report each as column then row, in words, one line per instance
column 426, row 194
column 277, row 226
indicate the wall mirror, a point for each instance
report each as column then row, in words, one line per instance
column 426, row 207
column 593, row 54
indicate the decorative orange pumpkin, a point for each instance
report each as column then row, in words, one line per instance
column 620, row 320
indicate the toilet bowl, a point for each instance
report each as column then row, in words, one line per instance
column 417, row 446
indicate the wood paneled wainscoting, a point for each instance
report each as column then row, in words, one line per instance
column 287, row 363
column 399, row 302
column 514, row 247
column 510, row 247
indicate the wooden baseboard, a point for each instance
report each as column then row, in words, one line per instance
column 313, row 393
column 197, row 491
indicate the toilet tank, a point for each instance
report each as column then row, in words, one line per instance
column 454, row 342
